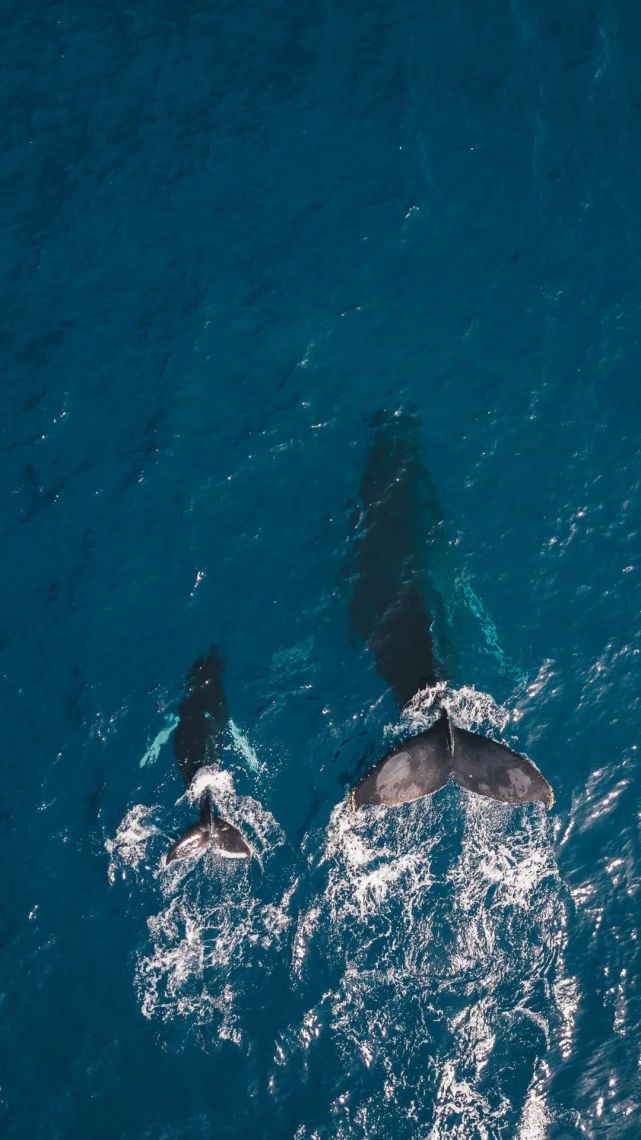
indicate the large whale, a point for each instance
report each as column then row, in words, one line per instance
column 202, row 719
column 389, row 610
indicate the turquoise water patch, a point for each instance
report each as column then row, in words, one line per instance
column 238, row 740
column 161, row 738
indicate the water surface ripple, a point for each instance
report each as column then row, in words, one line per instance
column 230, row 234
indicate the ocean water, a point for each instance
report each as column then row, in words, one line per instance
column 231, row 233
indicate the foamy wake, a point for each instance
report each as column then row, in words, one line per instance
column 430, row 953
column 213, row 926
column 204, row 944
column 469, row 707
column 445, row 925
column 128, row 849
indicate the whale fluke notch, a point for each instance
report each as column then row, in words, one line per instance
column 426, row 762
column 213, row 833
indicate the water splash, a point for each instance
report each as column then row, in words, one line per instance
column 469, row 707
column 128, row 848
column 213, row 924
column 244, row 812
column 212, row 934
column 535, row 1118
column 444, row 927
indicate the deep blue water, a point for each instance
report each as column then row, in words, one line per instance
column 230, row 233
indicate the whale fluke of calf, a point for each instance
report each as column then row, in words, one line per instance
column 203, row 716
column 213, row 833
column 426, row 762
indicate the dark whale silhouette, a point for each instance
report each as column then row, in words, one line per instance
column 202, row 719
column 388, row 609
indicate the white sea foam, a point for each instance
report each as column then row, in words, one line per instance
column 213, row 924
column 535, row 1120
column 440, row 963
column 433, row 965
column 212, row 932
column 128, row 848
column 469, row 707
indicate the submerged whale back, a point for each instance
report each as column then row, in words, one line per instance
column 399, row 519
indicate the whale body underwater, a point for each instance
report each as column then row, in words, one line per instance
column 388, row 608
column 399, row 524
column 203, row 717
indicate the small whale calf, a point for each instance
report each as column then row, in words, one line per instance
column 203, row 717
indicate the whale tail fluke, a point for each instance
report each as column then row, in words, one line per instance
column 210, row 833
column 426, row 762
